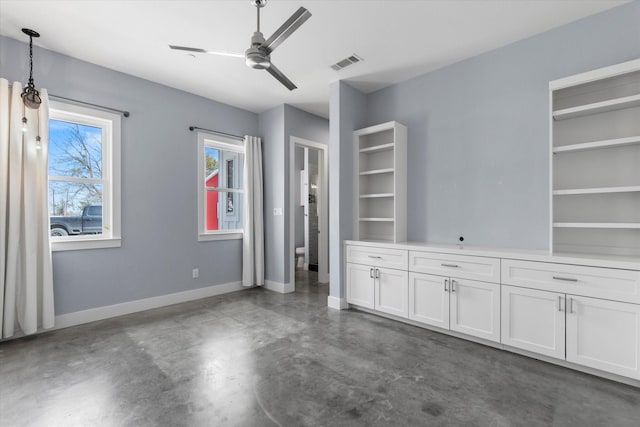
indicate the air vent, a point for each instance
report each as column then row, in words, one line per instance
column 346, row 62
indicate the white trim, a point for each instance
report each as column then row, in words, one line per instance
column 590, row 76
column 323, row 225
column 337, row 303
column 220, row 235
column 283, row 288
column 109, row 311
column 111, row 175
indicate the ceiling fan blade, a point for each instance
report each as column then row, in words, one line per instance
column 273, row 70
column 293, row 23
column 213, row 52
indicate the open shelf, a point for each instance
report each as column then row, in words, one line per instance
column 597, row 107
column 627, row 225
column 377, row 171
column 594, row 145
column 376, row 148
column 376, row 219
column 628, row 189
column 376, row 196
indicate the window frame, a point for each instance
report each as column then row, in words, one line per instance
column 206, row 140
column 110, row 124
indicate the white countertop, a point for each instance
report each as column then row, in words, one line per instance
column 627, row 263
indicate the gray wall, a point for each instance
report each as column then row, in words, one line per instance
column 347, row 111
column 277, row 125
column 478, row 162
column 299, row 209
column 159, row 234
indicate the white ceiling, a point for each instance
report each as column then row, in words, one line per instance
column 397, row 39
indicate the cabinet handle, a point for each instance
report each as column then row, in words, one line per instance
column 374, row 257
column 371, row 273
column 377, row 274
column 571, row 305
column 450, row 265
column 446, row 282
column 559, row 303
column 453, row 285
column 566, row 279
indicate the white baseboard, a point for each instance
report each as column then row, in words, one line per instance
column 337, row 303
column 100, row 313
column 283, row 288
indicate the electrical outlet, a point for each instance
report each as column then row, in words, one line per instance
column 277, row 211
column 195, row 273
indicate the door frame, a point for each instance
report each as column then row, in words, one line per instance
column 323, row 219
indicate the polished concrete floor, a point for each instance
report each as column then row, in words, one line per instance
column 258, row 358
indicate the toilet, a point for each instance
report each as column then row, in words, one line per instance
column 300, row 257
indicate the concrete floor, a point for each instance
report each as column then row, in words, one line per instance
column 258, row 358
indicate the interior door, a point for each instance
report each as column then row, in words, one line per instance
column 429, row 299
column 604, row 335
column 533, row 320
column 475, row 308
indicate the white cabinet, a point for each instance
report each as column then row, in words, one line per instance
column 592, row 332
column 533, row 320
column 380, row 183
column 360, row 285
column 595, row 145
column 604, row 335
column 461, row 305
column 391, row 294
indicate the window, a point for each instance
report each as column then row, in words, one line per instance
column 220, row 187
column 84, row 177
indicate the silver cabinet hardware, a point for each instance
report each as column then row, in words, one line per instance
column 566, row 279
column 374, row 256
column 559, row 303
column 371, row 273
column 571, row 305
column 450, row 265
column 453, row 285
column 377, row 273
column 446, row 283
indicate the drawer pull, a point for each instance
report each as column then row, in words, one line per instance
column 450, row 265
column 566, row 279
column 453, row 285
column 371, row 273
column 374, row 256
column 446, row 282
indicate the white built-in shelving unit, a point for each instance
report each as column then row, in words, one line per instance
column 380, row 183
column 595, row 173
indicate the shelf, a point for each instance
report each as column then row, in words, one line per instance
column 608, row 143
column 603, row 190
column 376, row 171
column 376, row 219
column 376, row 148
column 597, row 107
column 627, row 225
column 376, row 196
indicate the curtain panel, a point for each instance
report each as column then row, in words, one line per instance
column 26, row 294
column 253, row 239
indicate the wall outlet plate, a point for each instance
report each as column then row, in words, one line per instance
column 195, row 273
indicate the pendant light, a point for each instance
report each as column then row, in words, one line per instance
column 30, row 95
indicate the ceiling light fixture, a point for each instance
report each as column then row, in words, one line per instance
column 30, row 95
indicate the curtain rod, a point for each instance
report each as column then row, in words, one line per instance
column 192, row 128
column 77, row 101
column 115, row 110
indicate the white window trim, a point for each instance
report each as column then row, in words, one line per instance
column 220, row 142
column 111, row 173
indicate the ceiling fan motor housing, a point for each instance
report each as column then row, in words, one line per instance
column 255, row 56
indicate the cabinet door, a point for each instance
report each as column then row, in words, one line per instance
column 429, row 299
column 391, row 291
column 360, row 285
column 533, row 320
column 604, row 335
column 475, row 308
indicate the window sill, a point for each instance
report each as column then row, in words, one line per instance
column 78, row 244
column 231, row 235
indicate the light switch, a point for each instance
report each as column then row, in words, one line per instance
column 277, row 211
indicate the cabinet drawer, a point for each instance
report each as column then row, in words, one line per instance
column 607, row 283
column 462, row 266
column 380, row 257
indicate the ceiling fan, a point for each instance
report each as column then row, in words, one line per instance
column 258, row 56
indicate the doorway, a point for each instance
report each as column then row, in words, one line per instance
column 308, row 208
